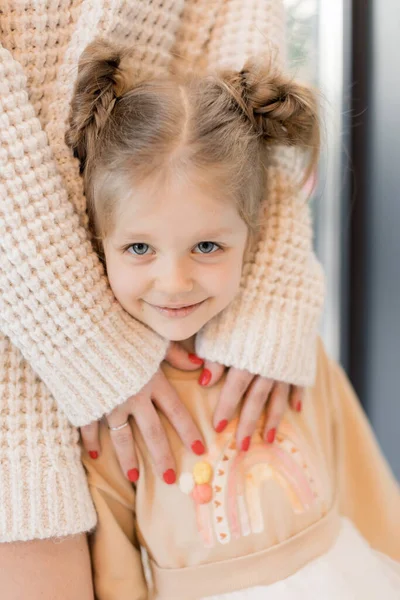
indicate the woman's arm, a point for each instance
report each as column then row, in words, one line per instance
column 271, row 327
column 55, row 302
column 46, row 569
column 43, row 487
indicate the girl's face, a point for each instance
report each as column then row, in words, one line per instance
column 174, row 258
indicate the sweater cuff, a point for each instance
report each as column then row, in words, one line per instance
column 90, row 378
column 43, row 494
column 271, row 336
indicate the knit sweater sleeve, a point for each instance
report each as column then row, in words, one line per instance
column 271, row 327
column 43, row 488
column 55, row 303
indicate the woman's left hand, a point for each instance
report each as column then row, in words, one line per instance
column 259, row 395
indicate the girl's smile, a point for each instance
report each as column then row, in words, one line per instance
column 177, row 312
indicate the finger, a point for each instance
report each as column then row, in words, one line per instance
column 296, row 398
column 254, row 403
column 168, row 401
column 179, row 358
column 211, row 373
column 91, row 439
column 276, row 408
column 124, row 446
column 155, row 437
column 233, row 390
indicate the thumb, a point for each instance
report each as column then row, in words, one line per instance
column 179, row 358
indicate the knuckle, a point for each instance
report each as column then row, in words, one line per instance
column 137, row 401
column 257, row 399
column 89, row 430
column 249, row 425
column 279, row 396
column 162, row 462
column 154, row 432
column 296, row 394
column 266, row 386
column 90, row 440
column 176, row 410
column 216, row 369
column 189, row 434
column 275, row 416
column 89, row 436
column 241, row 385
column 123, row 438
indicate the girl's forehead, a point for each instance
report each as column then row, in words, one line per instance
column 180, row 200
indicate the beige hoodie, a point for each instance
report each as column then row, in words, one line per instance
column 240, row 519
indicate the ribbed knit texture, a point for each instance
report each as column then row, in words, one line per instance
column 281, row 292
column 43, row 488
column 55, row 303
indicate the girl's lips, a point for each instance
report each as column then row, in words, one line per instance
column 177, row 313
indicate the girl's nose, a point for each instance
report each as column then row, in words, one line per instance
column 174, row 278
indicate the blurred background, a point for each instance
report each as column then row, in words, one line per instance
column 348, row 48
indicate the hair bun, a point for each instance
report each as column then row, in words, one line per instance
column 99, row 82
column 281, row 110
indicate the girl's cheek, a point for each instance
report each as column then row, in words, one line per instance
column 124, row 283
column 224, row 278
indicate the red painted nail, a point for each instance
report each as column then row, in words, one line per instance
column 93, row 454
column 196, row 360
column 198, row 447
column 205, row 377
column 133, row 475
column 221, row 426
column 271, row 436
column 169, row 476
column 246, row 444
column 298, row 406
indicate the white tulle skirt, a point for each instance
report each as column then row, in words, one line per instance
column 351, row 570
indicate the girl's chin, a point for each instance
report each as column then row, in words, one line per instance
column 177, row 332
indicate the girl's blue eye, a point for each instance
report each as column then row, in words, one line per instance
column 139, row 249
column 207, row 247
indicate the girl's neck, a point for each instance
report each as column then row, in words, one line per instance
column 188, row 344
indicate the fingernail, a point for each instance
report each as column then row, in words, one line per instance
column 198, row 447
column 196, row 360
column 298, row 406
column 246, row 444
column 221, row 426
column 93, row 454
column 205, row 377
column 133, row 475
column 271, row 436
column 169, row 476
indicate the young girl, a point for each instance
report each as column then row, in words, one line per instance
column 174, row 172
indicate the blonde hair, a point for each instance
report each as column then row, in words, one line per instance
column 126, row 129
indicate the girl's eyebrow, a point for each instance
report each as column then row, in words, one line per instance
column 213, row 233
column 201, row 235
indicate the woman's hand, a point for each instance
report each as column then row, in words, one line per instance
column 259, row 395
column 158, row 392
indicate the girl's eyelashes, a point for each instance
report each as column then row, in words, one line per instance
column 142, row 249
column 138, row 249
column 206, row 248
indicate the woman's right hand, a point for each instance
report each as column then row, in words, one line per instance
column 157, row 393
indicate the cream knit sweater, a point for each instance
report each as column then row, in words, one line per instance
column 68, row 352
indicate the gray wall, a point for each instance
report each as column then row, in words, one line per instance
column 382, row 291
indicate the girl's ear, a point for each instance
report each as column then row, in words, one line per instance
column 99, row 83
column 281, row 110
